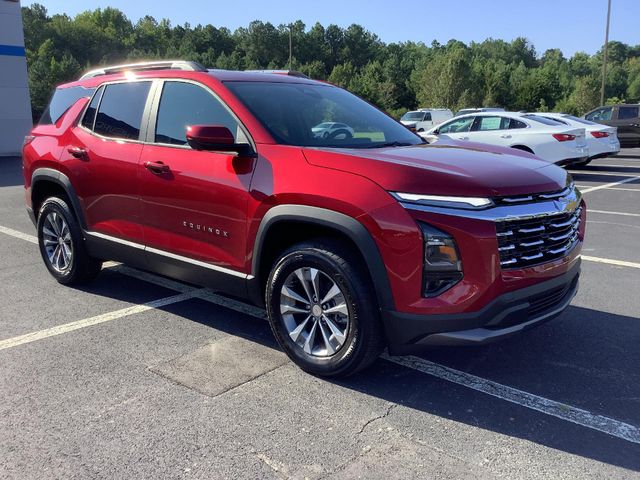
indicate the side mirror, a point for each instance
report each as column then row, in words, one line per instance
column 216, row 138
column 436, row 131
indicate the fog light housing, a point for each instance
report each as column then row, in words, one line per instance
column 442, row 264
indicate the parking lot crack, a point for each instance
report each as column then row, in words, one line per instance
column 390, row 408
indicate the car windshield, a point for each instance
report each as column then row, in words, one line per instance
column 546, row 121
column 413, row 116
column 293, row 113
column 579, row 120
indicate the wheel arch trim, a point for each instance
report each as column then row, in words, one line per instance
column 331, row 219
column 55, row 176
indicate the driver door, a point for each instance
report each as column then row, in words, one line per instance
column 194, row 203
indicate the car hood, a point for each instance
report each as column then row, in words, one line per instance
column 450, row 169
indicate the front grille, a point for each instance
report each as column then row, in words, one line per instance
column 534, row 197
column 524, row 242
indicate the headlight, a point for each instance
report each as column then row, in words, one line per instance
column 442, row 263
column 469, row 203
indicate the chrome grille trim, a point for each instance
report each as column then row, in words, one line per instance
column 541, row 239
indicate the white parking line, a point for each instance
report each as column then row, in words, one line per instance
column 15, row 233
column 609, row 185
column 563, row 411
column 88, row 322
column 559, row 410
column 604, row 174
column 611, row 261
column 614, row 213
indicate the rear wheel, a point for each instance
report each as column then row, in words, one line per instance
column 322, row 310
column 524, row 148
column 62, row 246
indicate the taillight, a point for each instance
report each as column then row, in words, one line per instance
column 600, row 134
column 564, row 137
column 27, row 140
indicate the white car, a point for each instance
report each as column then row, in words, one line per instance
column 332, row 130
column 601, row 139
column 425, row 118
column 548, row 139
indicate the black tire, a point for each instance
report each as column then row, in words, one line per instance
column 364, row 338
column 81, row 267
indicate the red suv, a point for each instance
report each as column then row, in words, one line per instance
column 353, row 238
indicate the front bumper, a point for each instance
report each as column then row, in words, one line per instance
column 505, row 316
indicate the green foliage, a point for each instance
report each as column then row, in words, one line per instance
column 396, row 76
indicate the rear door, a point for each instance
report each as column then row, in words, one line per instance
column 194, row 211
column 491, row 129
column 628, row 122
column 102, row 159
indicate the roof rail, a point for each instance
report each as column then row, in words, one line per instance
column 291, row 73
column 143, row 66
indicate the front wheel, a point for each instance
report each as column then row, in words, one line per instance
column 322, row 310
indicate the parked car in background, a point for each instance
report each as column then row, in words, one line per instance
column 548, row 139
column 466, row 111
column 425, row 118
column 601, row 139
column 332, row 130
column 626, row 118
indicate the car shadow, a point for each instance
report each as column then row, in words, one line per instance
column 11, row 172
column 568, row 374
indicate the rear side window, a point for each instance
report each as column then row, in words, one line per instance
column 183, row 104
column 627, row 112
column 486, row 123
column 90, row 113
column 120, row 112
column 62, row 99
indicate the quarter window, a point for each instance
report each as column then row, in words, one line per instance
column 183, row 104
column 120, row 113
column 90, row 114
column 627, row 112
column 513, row 123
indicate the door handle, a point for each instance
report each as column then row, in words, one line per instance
column 78, row 152
column 463, row 138
column 157, row 168
column 505, row 136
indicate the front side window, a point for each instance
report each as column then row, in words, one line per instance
column 627, row 112
column 291, row 112
column 457, row 126
column 600, row 114
column 120, row 112
column 183, row 104
column 413, row 116
column 427, row 117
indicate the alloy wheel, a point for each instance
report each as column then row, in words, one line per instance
column 57, row 242
column 314, row 312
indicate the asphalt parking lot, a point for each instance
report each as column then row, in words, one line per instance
column 138, row 376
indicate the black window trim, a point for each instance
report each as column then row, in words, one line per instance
column 143, row 121
column 150, row 130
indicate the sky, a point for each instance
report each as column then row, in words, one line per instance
column 571, row 25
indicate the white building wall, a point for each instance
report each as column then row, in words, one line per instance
column 15, row 105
